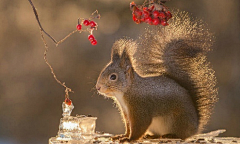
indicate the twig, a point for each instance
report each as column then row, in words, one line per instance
column 154, row 1
column 66, row 37
column 67, row 89
column 41, row 28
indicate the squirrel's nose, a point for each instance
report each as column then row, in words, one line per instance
column 98, row 87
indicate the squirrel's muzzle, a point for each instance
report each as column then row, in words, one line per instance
column 98, row 87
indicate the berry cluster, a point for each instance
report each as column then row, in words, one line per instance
column 86, row 22
column 68, row 101
column 93, row 26
column 92, row 39
column 154, row 14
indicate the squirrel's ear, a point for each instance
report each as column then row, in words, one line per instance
column 115, row 55
column 125, row 60
column 129, row 74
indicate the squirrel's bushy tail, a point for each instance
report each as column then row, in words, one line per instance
column 179, row 52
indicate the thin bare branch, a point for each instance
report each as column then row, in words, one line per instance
column 36, row 15
column 67, row 89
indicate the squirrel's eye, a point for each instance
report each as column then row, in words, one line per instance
column 113, row 77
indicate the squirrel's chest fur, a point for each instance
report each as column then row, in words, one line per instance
column 159, row 126
column 121, row 102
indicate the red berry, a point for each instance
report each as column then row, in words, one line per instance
column 79, row 27
column 145, row 8
column 138, row 13
column 94, row 42
column 169, row 15
column 91, row 38
column 92, row 24
column 148, row 20
column 164, row 23
column 151, row 8
column 142, row 19
column 132, row 3
column 86, row 22
column 156, row 21
column 138, row 21
column 68, row 101
column 155, row 14
column 162, row 15
column 134, row 17
column 146, row 14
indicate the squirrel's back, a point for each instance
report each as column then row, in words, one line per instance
column 179, row 52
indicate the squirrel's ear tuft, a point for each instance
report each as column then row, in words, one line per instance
column 118, row 47
column 125, row 63
column 125, row 59
column 115, row 54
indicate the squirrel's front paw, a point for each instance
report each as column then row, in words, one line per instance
column 117, row 137
column 125, row 139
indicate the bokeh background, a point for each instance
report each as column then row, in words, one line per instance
column 30, row 99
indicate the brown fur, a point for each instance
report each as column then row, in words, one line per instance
column 164, row 75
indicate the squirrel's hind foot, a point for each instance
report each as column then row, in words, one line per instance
column 170, row 136
column 147, row 136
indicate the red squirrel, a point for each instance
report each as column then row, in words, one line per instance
column 162, row 82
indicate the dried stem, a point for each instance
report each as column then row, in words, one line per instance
column 40, row 26
column 67, row 89
column 154, row 1
column 66, row 37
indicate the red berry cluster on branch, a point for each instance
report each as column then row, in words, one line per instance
column 92, row 39
column 93, row 26
column 153, row 14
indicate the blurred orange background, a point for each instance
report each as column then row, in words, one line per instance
column 30, row 98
